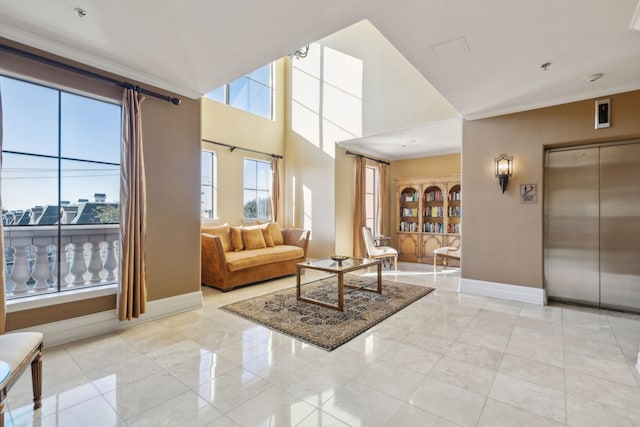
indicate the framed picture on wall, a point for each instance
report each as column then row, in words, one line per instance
column 528, row 193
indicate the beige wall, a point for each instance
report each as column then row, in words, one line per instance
column 229, row 125
column 502, row 239
column 172, row 155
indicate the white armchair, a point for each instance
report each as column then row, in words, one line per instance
column 384, row 252
column 445, row 252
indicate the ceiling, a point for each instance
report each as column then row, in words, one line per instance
column 484, row 57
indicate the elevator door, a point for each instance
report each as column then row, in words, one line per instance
column 620, row 227
column 592, row 226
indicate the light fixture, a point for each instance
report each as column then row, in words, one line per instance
column 593, row 77
column 80, row 12
column 504, row 169
column 300, row 53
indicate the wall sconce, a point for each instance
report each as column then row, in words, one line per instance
column 504, row 169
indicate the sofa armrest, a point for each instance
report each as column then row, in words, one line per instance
column 296, row 237
column 214, row 262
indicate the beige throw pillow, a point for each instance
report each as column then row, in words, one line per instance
column 252, row 238
column 237, row 244
column 222, row 232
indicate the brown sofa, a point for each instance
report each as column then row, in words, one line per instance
column 236, row 256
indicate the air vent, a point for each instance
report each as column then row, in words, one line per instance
column 450, row 49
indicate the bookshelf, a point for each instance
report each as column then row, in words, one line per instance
column 429, row 216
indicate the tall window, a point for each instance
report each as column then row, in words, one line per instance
column 371, row 200
column 252, row 93
column 257, row 189
column 209, row 185
column 60, row 170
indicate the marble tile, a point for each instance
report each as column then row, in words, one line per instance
column 447, row 401
column 533, row 372
column 409, row 415
column 396, row 381
column 320, row 418
column 187, row 409
column 133, row 399
column 272, row 407
column 94, row 412
column 586, row 413
column 593, row 349
column 541, row 349
column 498, row 414
column 463, row 375
column 201, row 369
column 411, row 357
column 476, row 355
column 314, row 385
column 530, row 397
column 230, row 389
column 606, row 369
column 607, row 392
column 480, row 337
column 359, row 405
column 114, row 376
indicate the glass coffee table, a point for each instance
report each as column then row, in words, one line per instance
column 338, row 269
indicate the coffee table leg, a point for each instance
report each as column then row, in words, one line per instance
column 379, row 278
column 340, row 291
column 298, row 283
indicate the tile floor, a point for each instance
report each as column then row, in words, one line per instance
column 447, row 360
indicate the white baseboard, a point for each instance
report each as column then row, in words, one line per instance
column 91, row 325
column 503, row 291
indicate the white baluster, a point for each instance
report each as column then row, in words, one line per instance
column 9, row 285
column 78, row 265
column 63, row 264
column 111, row 261
column 41, row 271
column 95, row 262
column 20, row 274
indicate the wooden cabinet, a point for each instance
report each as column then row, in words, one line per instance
column 429, row 216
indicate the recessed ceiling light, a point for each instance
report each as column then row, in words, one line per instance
column 593, row 77
column 80, row 12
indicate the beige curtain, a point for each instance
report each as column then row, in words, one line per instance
column 3, row 313
column 359, row 214
column 382, row 198
column 275, row 188
column 132, row 295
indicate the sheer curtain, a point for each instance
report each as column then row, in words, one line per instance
column 2, row 272
column 359, row 213
column 132, row 294
column 275, row 188
column 382, row 198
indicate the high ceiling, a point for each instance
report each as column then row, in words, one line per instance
column 484, row 57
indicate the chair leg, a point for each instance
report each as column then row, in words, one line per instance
column 1, row 413
column 36, row 380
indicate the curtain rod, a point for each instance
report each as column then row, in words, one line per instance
column 86, row 73
column 370, row 158
column 233, row 147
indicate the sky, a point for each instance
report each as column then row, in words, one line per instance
column 45, row 121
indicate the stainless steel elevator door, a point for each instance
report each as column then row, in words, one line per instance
column 620, row 227
column 571, row 226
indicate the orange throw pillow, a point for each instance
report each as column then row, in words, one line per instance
column 237, row 244
column 222, row 232
column 253, row 239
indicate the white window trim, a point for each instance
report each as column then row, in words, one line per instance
column 47, row 300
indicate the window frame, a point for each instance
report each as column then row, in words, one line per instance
column 271, row 88
column 374, row 197
column 213, row 185
column 256, row 189
column 58, row 294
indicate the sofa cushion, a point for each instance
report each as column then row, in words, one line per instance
column 252, row 238
column 237, row 244
column 222, row 231
column 255, row 257
column 267, row 236
column 276, row 233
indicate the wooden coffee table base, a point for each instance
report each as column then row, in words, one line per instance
column 339, row 269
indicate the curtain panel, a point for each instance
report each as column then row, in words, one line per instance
column 132, row 292
column 359, row 213
column 275, row 188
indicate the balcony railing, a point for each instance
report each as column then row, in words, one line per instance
column 89, row 256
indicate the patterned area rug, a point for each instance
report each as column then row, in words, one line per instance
column 324, row 327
